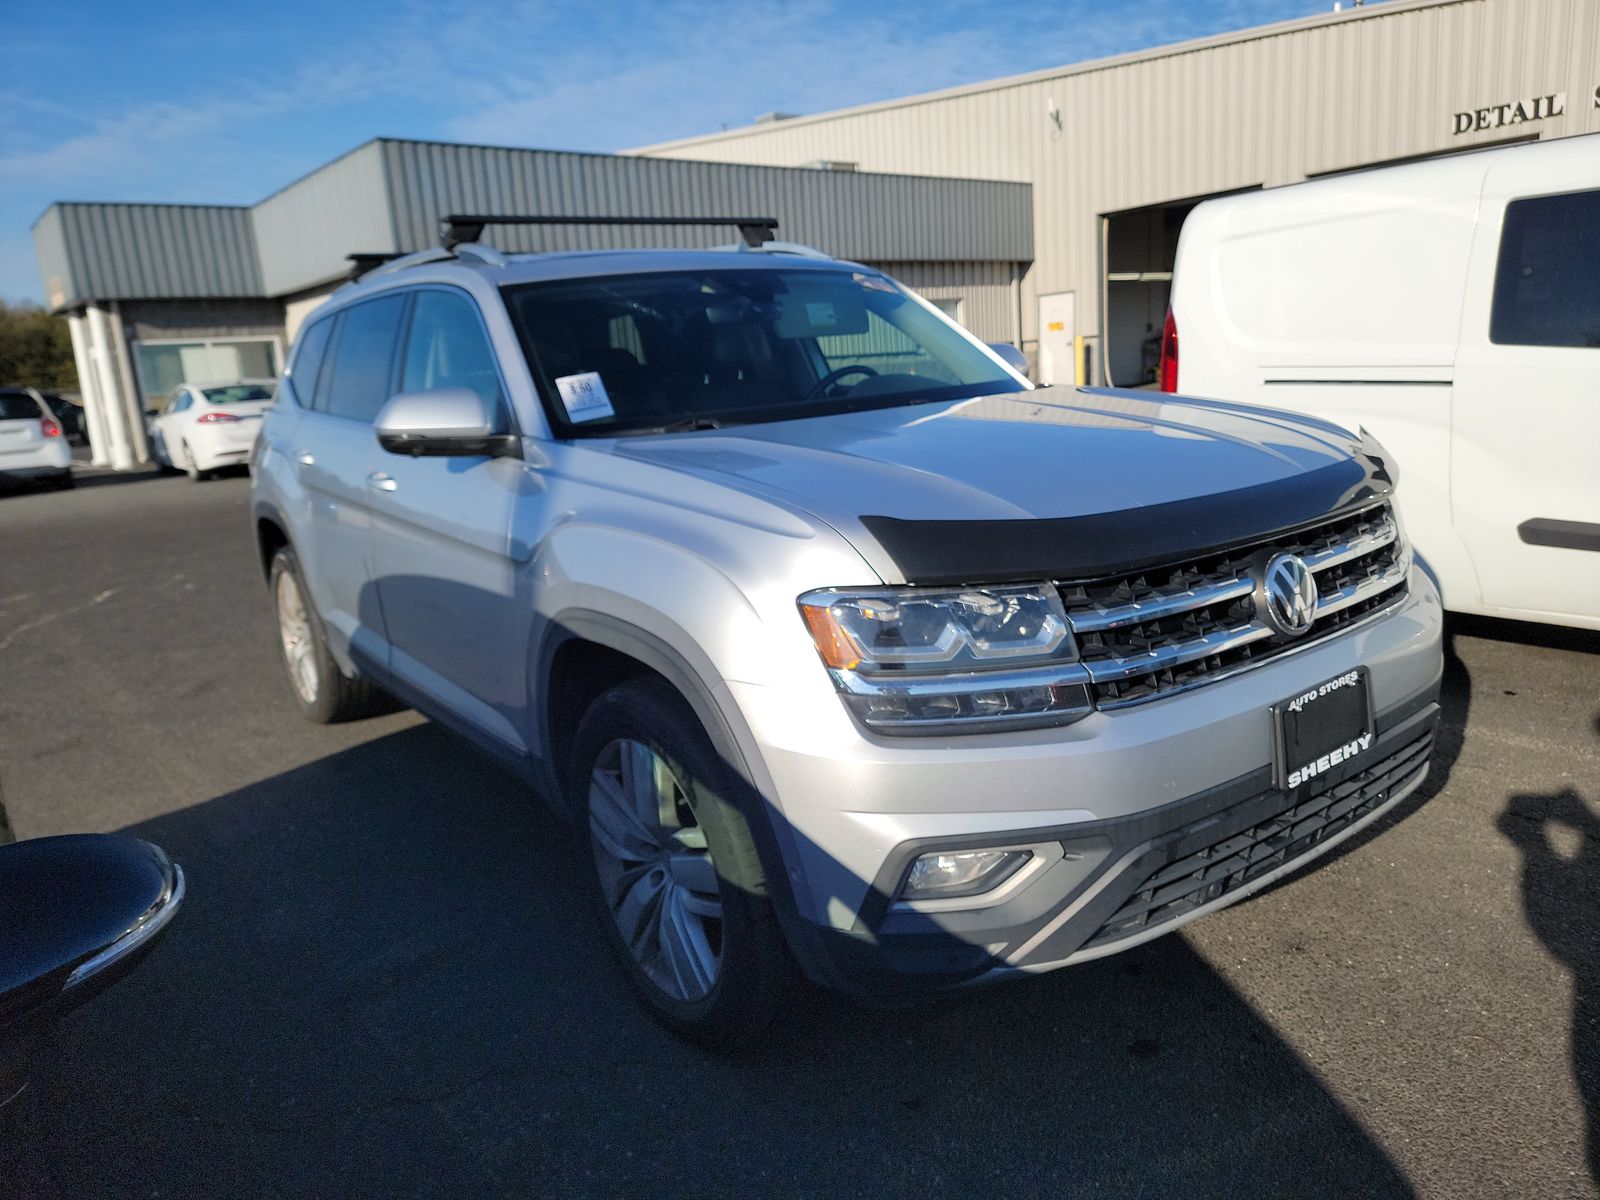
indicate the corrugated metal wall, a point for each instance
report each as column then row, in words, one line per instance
column 1264, row 107
column 847, row 214
column 95, row 251
column 388, row 196
column 306, row 229
column 988, row 306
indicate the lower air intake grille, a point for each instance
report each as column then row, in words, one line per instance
column 1201, row 876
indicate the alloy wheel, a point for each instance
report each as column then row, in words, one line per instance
column 656, row 872
column 294, row 630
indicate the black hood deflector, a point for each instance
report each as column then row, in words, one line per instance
column 1112, row 543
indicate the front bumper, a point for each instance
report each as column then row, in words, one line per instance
column 1140, row 820
column 1124, row 881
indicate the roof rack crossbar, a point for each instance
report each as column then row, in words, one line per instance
column 363, row 261
column 458, row 228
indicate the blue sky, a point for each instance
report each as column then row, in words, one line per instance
column 214, row 103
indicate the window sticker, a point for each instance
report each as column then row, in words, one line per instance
column 585, row 397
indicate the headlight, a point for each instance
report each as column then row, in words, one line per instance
column 914, row 660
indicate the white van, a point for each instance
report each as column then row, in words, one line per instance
column 1452, row 307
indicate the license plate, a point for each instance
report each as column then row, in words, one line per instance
column 1323, row 728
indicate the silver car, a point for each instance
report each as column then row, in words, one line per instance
column 851, row 652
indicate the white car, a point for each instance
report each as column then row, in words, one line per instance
column 204, row 426
column 32, row 444
column 1450, row 307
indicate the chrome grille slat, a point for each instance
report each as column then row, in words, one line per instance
column 1095, row 620
column 1161, row 658
column 1163, row 629
column 1361, row 589
column 1335, row 556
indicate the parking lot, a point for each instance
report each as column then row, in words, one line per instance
column 387, row 982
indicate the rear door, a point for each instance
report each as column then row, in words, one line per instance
column 1525, row 485
column 330, row 446
column 441, row 537
column 21, row 428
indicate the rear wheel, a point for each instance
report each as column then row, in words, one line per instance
column 675, row 868
column 191, row 467
column 324, row 693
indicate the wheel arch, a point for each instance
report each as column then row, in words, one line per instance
column 573, row 629
column 272, row 535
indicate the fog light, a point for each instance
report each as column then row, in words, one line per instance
column 962, row 873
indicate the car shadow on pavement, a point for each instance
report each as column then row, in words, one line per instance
column 388, row 980
column 80, row 479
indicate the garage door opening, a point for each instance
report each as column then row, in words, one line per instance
column 1139, row 247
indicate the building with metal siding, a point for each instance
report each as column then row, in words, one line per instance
column 158, row 293
column 1119, row 150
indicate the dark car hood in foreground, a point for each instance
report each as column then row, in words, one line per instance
column 1057, row 482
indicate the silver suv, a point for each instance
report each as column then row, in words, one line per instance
column 848, row 649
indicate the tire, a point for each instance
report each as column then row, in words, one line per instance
column 702, row 944
column 325, row 694
column 191, row 468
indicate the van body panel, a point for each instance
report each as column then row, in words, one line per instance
column 1365, row 299
column 1527, row 420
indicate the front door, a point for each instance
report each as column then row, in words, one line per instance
column 1525, row 484
column 442, row 551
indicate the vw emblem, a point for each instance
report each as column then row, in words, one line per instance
column 1291, row 595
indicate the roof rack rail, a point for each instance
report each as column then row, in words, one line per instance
column 458, row 228
column 363, row 261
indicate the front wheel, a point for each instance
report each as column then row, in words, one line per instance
column 324, row 693
column 675, row 868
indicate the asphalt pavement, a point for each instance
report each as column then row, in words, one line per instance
column 387, row 982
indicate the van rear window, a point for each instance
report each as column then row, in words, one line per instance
column 1547, row 282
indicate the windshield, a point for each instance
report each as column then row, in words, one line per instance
column 240, row 393
column 706, row 348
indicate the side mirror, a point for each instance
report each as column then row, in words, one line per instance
column 1013, row 358
column 441, row 423
column 81, row 911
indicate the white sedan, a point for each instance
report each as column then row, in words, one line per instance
column 204, row 426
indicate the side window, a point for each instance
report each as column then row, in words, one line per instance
column 447, row 348
column 309, row 350
column 1547, row 281
column 182, row 401
column 364, row 359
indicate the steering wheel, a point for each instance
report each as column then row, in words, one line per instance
column 833, row 377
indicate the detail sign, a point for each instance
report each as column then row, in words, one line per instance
column 1513, row 112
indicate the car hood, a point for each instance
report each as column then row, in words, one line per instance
column 1056, row 481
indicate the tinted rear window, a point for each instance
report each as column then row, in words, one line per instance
column 18, row 406
column 1547, row 282
column 363, row 362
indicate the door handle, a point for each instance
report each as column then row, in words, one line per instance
column 383, row 481
column 305, row 458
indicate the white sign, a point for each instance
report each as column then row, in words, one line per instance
column 585, row 397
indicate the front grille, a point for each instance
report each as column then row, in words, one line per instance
column 1161, row 629
column 1204, row 875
